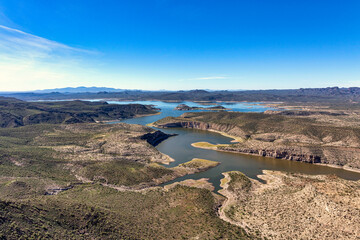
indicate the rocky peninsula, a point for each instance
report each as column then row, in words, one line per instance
column 98, row 181
column 306, row 137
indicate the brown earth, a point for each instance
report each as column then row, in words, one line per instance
column 292, row 206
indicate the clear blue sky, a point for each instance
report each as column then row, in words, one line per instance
column 179, row 44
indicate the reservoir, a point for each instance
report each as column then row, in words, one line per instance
column 179, row 148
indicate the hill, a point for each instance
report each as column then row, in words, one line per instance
column 91, row 181
column 15, row 113
column 78, row 90
column 292, row 206
column 334, row 96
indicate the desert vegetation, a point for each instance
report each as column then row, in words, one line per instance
column 292, row 206
column 15, row 113
column 92, row 180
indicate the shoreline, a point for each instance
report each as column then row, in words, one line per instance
column 168, row 159
column 145, row 115
column 235, row 139
column 214, row 148
column 272, row 104
column 339, row 167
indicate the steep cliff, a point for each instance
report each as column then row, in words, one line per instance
column 226, row 128
column 284, row 137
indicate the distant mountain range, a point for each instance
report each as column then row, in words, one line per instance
column 79, row 90
column 330, row 95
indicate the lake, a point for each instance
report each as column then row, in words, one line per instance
column 179, row 147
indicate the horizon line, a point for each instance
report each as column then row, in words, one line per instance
column 167, row 90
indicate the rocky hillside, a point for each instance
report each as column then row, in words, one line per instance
column 281, row 136
column 96, row 181
column 292, row 206
column 15, row 113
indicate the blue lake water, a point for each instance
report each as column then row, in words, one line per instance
column 167, row 109
column 180, row 149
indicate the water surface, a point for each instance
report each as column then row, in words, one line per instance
column 180, row 149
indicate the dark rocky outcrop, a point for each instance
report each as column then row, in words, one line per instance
column 9, row 120
column 154, row 138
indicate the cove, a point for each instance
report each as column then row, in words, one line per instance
column 179, row 148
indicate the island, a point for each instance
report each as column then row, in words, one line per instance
column 184, row 107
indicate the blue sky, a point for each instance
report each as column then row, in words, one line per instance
column 172, row 44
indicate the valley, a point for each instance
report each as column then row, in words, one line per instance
column 128, row 180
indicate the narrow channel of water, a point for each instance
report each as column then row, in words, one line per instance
column 180, row 149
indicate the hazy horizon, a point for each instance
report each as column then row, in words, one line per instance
column 165, row 90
